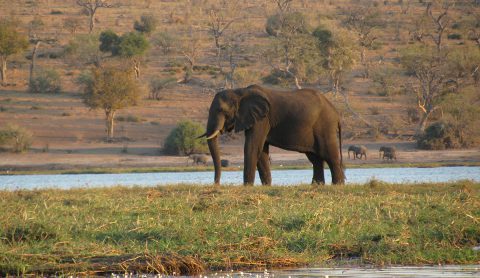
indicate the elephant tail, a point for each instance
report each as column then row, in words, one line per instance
column 340, row 144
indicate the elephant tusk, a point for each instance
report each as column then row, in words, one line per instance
column 214, row 134
column 201, row 136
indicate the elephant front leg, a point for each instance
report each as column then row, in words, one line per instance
column 250, row 157
column 254, row 142
column 263, row 166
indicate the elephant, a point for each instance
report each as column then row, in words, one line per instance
column 357, row 150
column 197, row 159
column 388, row 152
column 301, row 120
column 225, row 162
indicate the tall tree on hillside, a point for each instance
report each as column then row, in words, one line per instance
column 111, row 89
column 293, row 51
column 11, row 42
column 220, row 18
column 429, row 60
column 91, row 7
column 338, row 52
column 363, row 21
column 130, row 45
column 190, row 49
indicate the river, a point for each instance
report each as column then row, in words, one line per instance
column 279, row 177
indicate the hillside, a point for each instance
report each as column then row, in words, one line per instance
column 68, row 135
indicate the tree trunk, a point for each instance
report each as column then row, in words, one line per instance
column 4, row 70
column 110, row 116
column 423, row 123
column 32, row 65
column 92, row 21
column 350, row 109
column 136, row 68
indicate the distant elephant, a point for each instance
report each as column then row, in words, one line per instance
column 302, row 120
column 197, row 159
column 358, row 151
column 390, row 156
column 225, row 162
column 388, row 152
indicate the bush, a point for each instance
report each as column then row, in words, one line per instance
column 165, row 41
column 17, row 138
column 47, row 81
column 277, row 77
column 295, row 22
column 244, row 77
column 160, row 84
column 147, row 24
column 454, row 36
column 443, row 135
column 182, row 139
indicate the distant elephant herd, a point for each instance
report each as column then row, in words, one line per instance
column 360, row 151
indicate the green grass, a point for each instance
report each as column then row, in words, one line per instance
column 189, row 228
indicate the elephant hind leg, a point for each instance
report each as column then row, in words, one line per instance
column 263, row 166
column 318, row 168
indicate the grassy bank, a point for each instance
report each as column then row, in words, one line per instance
column 188, row 229
column 118, row 170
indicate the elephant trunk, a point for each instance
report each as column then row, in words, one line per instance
column 213, row 130
column 215, row 152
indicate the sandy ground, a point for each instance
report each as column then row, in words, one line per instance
column 148, row 156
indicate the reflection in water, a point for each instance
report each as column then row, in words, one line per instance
column 424, row 271
column 455, row 271
column 279, row 177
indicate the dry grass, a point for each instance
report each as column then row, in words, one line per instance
column 189, row 229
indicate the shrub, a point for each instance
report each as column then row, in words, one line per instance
column 165, row 41
column 17, row 138
column 47, row 81
column 244, row 77
column 435, row 137
column 454, row 36
column 130, row 119
column 277, row 77
column 182, row 139
column 294, row 22
column 147, row 24
column 413, row 115
column 160, row 84
column 109, row 41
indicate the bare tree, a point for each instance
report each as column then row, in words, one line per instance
column 190, row 50
column 218, row 24
column 283, row 6
column 363, row 21
column 71, row 24
column 441, row 22
column 91, row 7
column 405, row 6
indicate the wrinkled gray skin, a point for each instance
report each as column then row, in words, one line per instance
column 197, row 159
column 358, row 151
column 388, row 152
column 303, row 121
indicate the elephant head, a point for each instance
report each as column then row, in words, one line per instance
column 235, row 110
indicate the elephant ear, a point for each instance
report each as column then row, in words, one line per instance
column 252, row 108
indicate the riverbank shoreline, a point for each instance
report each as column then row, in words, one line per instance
column 72, row 170
column 195, row 229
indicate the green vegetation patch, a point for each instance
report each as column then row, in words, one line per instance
column 190, row 228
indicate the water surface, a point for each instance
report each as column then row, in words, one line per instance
column 279, row 177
